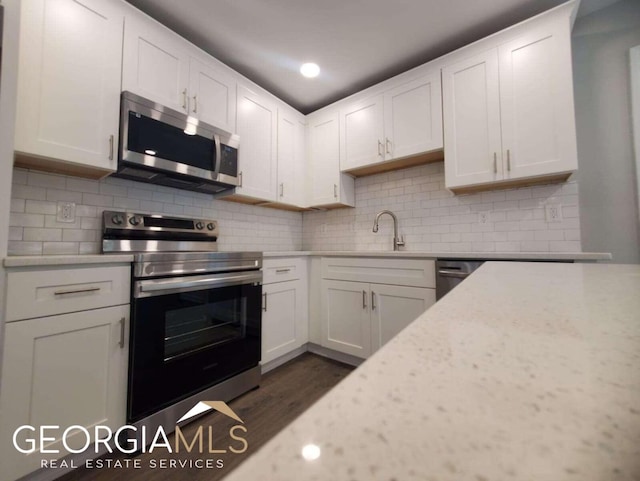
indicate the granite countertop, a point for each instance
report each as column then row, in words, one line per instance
column 523, row 372
column 452, row 255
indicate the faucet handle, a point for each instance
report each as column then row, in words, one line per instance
column 400, row 241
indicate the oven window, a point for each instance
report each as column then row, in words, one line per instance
column 202, row 320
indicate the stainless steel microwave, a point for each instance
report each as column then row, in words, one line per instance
column 162, row 146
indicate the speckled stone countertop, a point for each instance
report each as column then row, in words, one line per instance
column 66, row 260
column 523, row 372
column 584, row 256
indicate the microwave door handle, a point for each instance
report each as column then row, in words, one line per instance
column 218, row 154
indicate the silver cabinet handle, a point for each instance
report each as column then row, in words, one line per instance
column 76, row 291
column 111, row 140
column 380, row 148
column 240, row 179
column 184, row 99
column 364, row 299
column 335, row 190
column 195, row 104
column 508, row 160
column 388, row 146
column 265, row 302
column 279, row 271
column 121, row 343
column 282, row 189
column 495, row 163
column 373, row 301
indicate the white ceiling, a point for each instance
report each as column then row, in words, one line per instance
column 357, row 43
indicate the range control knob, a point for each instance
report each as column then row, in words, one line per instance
column 134, row 221
column 210, row 226
column 117, row 219
column 199, row 225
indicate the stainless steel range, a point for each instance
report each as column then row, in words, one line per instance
column 195, row 315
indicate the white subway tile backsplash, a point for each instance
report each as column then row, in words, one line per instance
column 432, row 218
column 41, row 234
column 37, row 232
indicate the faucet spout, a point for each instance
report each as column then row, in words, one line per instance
column 397, row 241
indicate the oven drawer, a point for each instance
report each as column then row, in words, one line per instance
column 282, row 269
column 47, row 292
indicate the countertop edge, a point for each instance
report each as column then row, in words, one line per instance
column 66, row 260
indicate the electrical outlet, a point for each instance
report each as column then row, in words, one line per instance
column 483, row 217
column 553, row 212
column 66, row 212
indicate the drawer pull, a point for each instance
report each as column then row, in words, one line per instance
column 121, row 343
column 76, row 291
column 280, row 271
column 364, row 299
column 373, row 301
column 265, row 302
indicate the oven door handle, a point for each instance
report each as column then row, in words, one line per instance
column 158, row 287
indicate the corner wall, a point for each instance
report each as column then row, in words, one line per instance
column 607, row 177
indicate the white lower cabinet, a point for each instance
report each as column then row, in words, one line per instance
column 63, row 371
column 284, row 308
column 65, row 360
column 358, row 317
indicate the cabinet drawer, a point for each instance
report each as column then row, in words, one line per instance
column 398, row 272
column 37, row 293
column 282, row 269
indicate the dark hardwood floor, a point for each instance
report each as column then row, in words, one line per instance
column 284, row 394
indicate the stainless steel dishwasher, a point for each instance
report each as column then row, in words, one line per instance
column 451, row 272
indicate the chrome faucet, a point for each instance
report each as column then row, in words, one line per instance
column 397, row 241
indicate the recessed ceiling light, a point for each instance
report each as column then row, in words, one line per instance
column 310, row 70
column 311, row 452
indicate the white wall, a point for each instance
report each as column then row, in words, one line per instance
column 607, row 177
column 8, row 90
column 432, row 219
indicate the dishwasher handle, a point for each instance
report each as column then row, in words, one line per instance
column 453, row 273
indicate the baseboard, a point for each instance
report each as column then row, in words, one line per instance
column 269, row 366
column 335, row 355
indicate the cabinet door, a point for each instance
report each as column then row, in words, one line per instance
column 395, row 307
column 257, row 154
column 69, row 89
column 413, row 117
column 63, row 370
column 326, row 184
column 362, row 134
column 346, row 325
column 155, row 64
column 282, row 319
column 291, row 158
column 471, row 109
column 212, row 95
column 536, row 98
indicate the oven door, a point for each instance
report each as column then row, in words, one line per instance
column 189, row 333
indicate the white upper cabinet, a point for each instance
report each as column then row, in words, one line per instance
column 536, row 101
column 257, row 156
column 403, row 122
column 212, row 95
column 291, row 157
column 155, row 63
column 69, row 83
column 362, row 134
column 326, row 184
column 508, row 111
column 163, row 67
column 473, row 146
column 413, row 118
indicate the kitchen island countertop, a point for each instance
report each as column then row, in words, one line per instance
column 525, row 371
